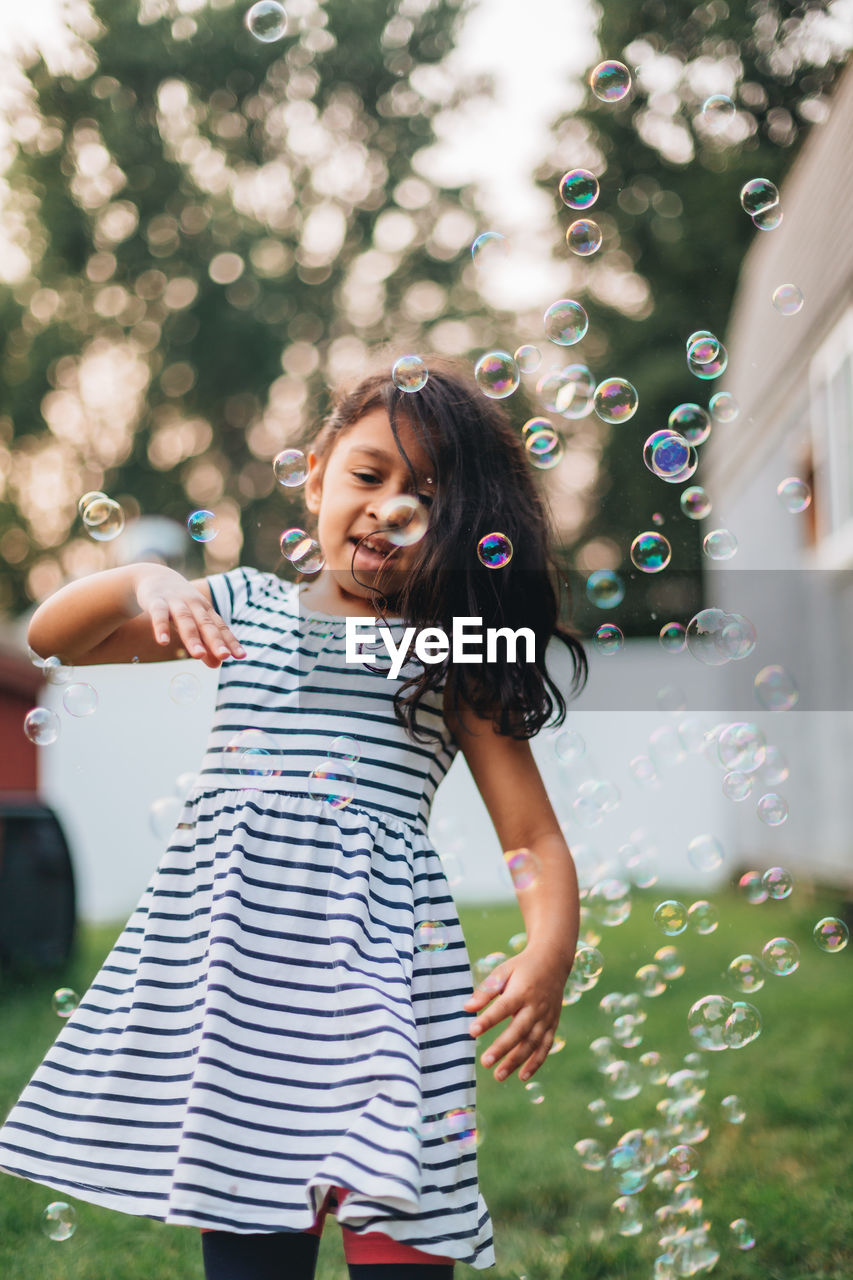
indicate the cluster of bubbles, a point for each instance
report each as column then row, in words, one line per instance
column 102, row 516
column 759, row 198
column 707, row 358
column 303, row 551
column 42, row 726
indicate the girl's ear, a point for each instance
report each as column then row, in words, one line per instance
column 314, row 484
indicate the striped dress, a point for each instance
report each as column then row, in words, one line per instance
column 284, row 1010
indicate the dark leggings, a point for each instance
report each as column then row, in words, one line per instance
column 292, row 1255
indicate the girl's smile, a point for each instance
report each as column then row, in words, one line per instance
column 363, row 472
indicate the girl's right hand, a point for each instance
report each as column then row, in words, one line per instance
column 173, row 603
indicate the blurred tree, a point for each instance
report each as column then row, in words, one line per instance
column 675, row 233
column 206, row 227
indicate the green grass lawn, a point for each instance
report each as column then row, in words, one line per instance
column 787, row 1168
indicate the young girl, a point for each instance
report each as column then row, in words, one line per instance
column 287, row 1023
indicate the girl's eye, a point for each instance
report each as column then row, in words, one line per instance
column 364, row 475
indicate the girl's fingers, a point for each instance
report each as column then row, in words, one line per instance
column 519, row 1029
column 158, row 612
column 534, row 1062
column 520, row 1052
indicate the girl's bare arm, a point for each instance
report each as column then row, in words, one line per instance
column 139, row 611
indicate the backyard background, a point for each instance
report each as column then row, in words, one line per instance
column 200, row 233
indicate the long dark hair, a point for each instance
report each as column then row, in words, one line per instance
column 484, row 484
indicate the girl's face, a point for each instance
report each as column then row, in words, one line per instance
column 364, row 470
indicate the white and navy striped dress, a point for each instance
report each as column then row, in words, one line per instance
column 272, row 1022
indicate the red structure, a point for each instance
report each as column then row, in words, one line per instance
column 20, row 683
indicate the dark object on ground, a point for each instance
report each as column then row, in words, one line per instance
column 37, row 900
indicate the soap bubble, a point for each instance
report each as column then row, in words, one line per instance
column 666, row 454
column 751, row 886
column 485, row 965
column 695, row 502
column 623, row 1080
column 497, row 375
column 705, row 853
column 566, row 322
column 737, row 785
column 758, row 194
column 671, row 917
column 409, row 374
column 82, row 503
column 670, row 962
column 55, row 671
column 703, row 916
column 103, row 519
column 460, row 1126
column 59, row 1220
column 703, row 346
column 579, row 189
column 588, row 965
column 584, row 237
column 746, row 973
column 683, row 1160
column 202, row 526
column 732, row 1108
column 542, row 443
column 605, row 589
column 831, row 934
column 608, row 639
column 690, row 421
column 534, row 1092
column 523, row 867
column 80, row 699
column 710, row 368
column 41, row 726
column 774, row 768
column 778, row 882
column 528, row 358
column 65, row 1001
column 403, row 519
column 577, row 391
column 772, row 809
column 293, row 541
column 609, row 900
column 794, row 494
column 610, row 81
column 780, row 956
column 706, row 1022
column 184, row 689
column 673, row 637
column 615, row 400
column 266, row 21
column 719, row 544
column 431, row 935
column 768, row 219
column 600, row 1112
column 629, row 1220
column 650, row 980
column 494, row 550
column 592, row 1154
column 743, row 1025
column 743, row 1233
column 333, row 781
column 290, row 468
column 775, row 689
column 741, row 746
column 739, row 637
column 788, row 299
column 308, row 556
column 705, row 637
column 650, row 552
column 717, row 112
column 569, row 746
column 724, row 407
column 347, row 747
column 489, row 247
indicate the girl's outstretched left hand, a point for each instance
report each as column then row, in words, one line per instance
column 528, row 989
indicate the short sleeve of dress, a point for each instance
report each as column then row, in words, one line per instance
column 230, row 591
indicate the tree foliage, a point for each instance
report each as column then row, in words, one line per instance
column 210, row 228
